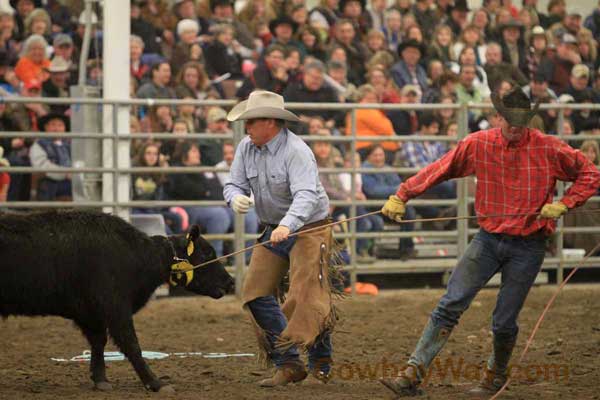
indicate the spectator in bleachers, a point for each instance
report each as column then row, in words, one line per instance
column 381, row 185
column 38, row 23
column 497, row 69
column 158, row 13
column 371, row 122
column 199, row 186
column 9, row 46
column 51, row 153
column 312, row 89
column 228, row 150
column 557, row 67
column 356, row 52
column 168, row 147
column 283, row 29
column 588, row 49
column 26, row 115
column 293, row 63
column 216, row 123
column 33, row 60
column 414, row 32
column 408, row 70
column 189, row 114
column 192, row 81
column 310, row 43
column 354, row 10
column 466, row 91
column 442, row 47
column 159, row 86
column 579, row 81
column 256, row 14
column 324, row 17
column 446, row 116
column 337, row 78
column 158, row 119
column 386, row 89
column 62, row 46
column 376, row 10
column 425, row 16
column 445, row 85
column 222, row 54
column 270, row 74
column 538, row 43
column 467, row 56
column 151, row 35
column 60, row 15
column 435, row 69
column 375, row 42
column 186, row 9
column 513, row 45
column 188, row 48
column 222, row 13
column 480, row 19
column 472, row 36
column 151, row 187
column 138, row 68
column 58, row 84
column 458, row 16
column 23, row 8
column 405, row 122
column 393, row 29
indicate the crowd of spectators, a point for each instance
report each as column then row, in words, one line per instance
column 339, row 51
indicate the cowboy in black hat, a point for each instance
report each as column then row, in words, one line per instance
column 512, row 39
column 516, row 168
column 51, row 153
column 408, row 70
column 283, row 30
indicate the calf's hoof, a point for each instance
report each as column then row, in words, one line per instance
column 103, row 386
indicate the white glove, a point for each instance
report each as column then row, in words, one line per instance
column 241, row 204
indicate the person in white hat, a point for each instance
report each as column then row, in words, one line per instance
column 58, row 83
column 280, row 170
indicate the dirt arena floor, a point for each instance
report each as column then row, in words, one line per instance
column 564, row 362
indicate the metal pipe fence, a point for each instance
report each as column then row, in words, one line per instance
column 462, row 202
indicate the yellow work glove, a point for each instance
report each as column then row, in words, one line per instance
column 553, row 210
column 394, row 208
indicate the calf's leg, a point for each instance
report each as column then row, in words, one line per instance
column 122, row 331
column 96, row 336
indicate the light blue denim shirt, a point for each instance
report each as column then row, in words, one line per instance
column 284, row 178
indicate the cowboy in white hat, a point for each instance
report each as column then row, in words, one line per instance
column 279, row 169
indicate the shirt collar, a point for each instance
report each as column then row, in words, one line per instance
column 506, row 144
column 274, row 144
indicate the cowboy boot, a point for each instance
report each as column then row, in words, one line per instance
column 496, row 374
column 431, row 342
column 287, row 373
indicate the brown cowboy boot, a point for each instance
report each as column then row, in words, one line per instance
column 496, row 372
column 407, row 382
column 288, row 373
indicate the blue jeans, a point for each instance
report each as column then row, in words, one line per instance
column 519, row 260
column 212, row 220
column 267, row 313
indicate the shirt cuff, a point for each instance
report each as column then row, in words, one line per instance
column 567, row 201
column 291, row 222
column 402, row 194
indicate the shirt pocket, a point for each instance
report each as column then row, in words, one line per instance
column 279, row 185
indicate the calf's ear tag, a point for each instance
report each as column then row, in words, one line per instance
column 190, row 248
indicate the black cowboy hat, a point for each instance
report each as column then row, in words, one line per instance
column 42, row 121
column 343, row 3
column 411, row 43
column 460, row 5
column 36, row 3
column 515, row 106
column 284, row 19
column 214, row 3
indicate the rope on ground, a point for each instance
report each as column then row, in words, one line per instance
column 404, row 221
column 541, row 318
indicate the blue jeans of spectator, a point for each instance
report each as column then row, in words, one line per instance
column 407, row 244
column 250, row 226
column 211, row 220
column 519, row 261
column 268, row 315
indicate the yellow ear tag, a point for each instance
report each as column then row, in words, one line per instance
column 190, row 248
column 182, row 267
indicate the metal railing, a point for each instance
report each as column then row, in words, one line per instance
column 461, row 233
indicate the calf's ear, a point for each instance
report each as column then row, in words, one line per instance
column 191, row 237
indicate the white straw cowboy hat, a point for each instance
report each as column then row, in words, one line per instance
column 261, row 104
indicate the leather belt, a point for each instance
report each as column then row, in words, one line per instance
column 315, row 224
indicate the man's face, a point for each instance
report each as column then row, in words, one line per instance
column 55, row 126
column 377, row 157
column 60, row 79
column 24, row 7
column 223, row 11
column 228, row 153
column 431, row 130
column 186, row 9
column 65, row 51
column 345, row 33
column 284, row 32
column 259, row 130
column 573, row 23
column 579, row 83
column 467, row 75
column 511, row 35
column 411, row 56
column 539, row 89
column 274, row 59
column 220, row 126
column 493, row 55
column 313, row 79
column 164, row 74
column 352, row 9
column 511, row 133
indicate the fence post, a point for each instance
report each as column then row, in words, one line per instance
column 352, row 227
column 462, row 225
column 560, row 237
column 239, row 227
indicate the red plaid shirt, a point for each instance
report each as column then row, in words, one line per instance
column 515, row 178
